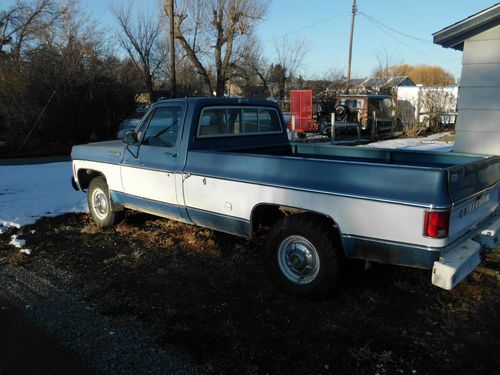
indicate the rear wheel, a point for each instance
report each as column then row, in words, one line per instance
column 100, row 205
column 304, row 256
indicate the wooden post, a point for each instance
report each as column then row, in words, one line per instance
column 354, row 11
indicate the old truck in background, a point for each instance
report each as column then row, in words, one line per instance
column 366, row 117
column 359, row 117
column 227, row 165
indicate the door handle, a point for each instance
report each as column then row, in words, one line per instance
column 172, row 154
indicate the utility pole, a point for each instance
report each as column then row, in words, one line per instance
column 354, row 11
column 171, row 47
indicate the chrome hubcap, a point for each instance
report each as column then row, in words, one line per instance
column 298, row 259
column 100, row 203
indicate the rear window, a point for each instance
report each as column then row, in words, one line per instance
column 236, row 121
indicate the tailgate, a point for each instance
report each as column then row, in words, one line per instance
column 468, row 179
column 474, row 192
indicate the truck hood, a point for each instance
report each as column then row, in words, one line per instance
column 105, row 152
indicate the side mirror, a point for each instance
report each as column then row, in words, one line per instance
column 130, row 137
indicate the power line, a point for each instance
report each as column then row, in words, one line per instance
column 407, row 45
column 305, row 27
column 393, row 29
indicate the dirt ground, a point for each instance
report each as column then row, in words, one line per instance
column 208, row 295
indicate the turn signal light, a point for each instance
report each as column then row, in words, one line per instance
column 436, row 224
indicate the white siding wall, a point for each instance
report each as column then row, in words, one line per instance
column 478, row 122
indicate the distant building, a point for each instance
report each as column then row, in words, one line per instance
column 386, row 85
column 416, row 99
column 478, row 119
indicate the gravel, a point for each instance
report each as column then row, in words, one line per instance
column 48, row 298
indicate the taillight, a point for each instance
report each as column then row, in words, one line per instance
column 436, row 224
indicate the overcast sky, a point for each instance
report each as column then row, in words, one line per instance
column 403, row 28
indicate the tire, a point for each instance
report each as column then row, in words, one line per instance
column 100, row 205
column 304, row 256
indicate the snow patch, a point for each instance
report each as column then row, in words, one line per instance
column 35, row 191
column 429, row 143
column 19, row 243
column 16, row 241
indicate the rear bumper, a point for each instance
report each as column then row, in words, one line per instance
column 449, row 265
column 457, row 262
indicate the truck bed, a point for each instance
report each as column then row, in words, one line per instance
column 419, row 178
column 369, row 155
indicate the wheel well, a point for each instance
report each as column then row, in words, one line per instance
column 265, row 215
column 85, row 176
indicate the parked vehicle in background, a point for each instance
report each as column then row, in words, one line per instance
column 367, row 116
column 127, row 124
column 226, row 164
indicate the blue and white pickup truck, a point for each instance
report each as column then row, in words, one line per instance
column 227, row 165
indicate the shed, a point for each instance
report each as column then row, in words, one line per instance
column 478, row 118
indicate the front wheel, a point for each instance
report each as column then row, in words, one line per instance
column 100, row 205
column 304, row 256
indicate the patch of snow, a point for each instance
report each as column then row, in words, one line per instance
column 35, row 191
column 429, row 143
column 25, row 251
column 17, row 242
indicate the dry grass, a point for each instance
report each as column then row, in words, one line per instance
column 209, row 294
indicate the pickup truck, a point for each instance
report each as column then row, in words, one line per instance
column 226, row 164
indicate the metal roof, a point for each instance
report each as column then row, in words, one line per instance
column 454, row 35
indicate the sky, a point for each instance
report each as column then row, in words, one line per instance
column 400, row 29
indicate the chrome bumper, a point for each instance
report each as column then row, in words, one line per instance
column 460, row 260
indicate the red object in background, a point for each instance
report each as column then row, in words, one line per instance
column 301, row 109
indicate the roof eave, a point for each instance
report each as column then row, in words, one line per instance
column 454, row 36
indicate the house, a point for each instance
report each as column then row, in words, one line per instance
column 377, row 85
column 424, row 101
column 478, row 119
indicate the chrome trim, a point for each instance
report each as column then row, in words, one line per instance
column 468, row 235
column 395, row 243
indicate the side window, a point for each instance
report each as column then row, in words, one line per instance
column 164, row 126
column 219, row 122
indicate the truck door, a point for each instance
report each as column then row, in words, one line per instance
column 149, row 169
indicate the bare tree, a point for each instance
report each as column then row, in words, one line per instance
column 211, row 32
column 290, row 57
column 251, row 64
column 141, row 37
column 407, row 114
column 22, row 25
column 438, row 105
column 385, row 61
